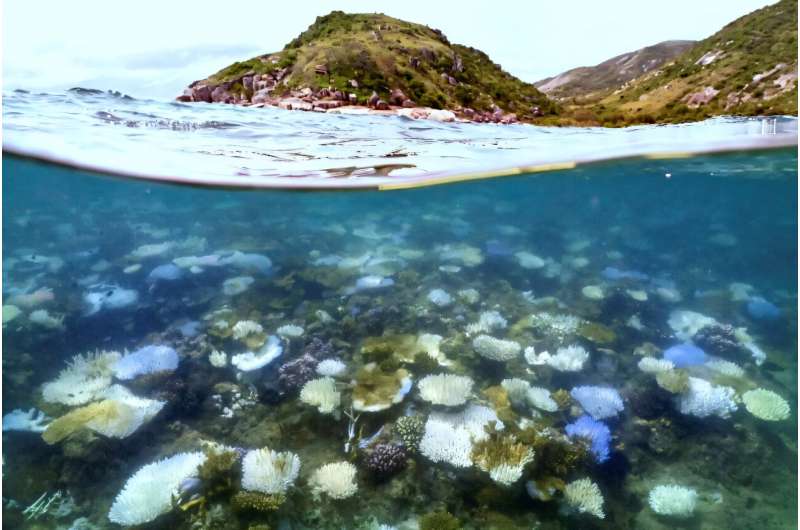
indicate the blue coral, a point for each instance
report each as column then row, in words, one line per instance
column 596, row 432
column 685, row 354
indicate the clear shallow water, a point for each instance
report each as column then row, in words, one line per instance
column 528, row 246
column 231, row 145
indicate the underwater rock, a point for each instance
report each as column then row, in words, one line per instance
column 375, row 390
column 386, row 460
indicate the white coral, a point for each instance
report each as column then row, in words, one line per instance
column 151, row 490
column 243, row 328
column 488, row 321
column 725, row 367
column 496, row 349
column 449, row 437
column 321, row 393
column 766, row 405
column 516, row 388
column 218, row 359
column 672, row 499
column 445, row 389
column 568, row 359
column 686, row 324
column 703, row 399
column 249, row 361
column 83, row 380
column 336, row 480
column 269, row 471
column 651, row 365
column 541, row 399
column 290, row 331
column 585, row 496
column 331, row 368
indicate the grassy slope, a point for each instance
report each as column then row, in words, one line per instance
column 376, row 50
column 588, row 81
column 752, row 45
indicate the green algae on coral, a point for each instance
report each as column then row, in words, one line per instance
column 257, row 502
column 674, row 381
column 597, row 333
column 441, row 520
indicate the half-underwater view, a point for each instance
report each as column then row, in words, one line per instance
column 377, row 281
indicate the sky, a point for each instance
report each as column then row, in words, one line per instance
column 154, row 48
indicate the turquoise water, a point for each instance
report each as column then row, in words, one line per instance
column 583, row 273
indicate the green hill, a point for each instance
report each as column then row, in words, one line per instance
column 364, row 53
column 747, row 68
column 586, row 81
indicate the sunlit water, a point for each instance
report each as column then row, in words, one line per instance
column 94, row 263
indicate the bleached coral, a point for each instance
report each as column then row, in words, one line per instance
column 686, row 324
column 237, row 285
column 83, row 380
column 541, row 399
column 652, row 365
column 449, row 437
column 487, row 322
column 558, row 326
column 43, row 318
column 703, row 399
column 466, row 255
column 32, row 421
column 290, row 331
column 331, row 368
column 445, row 389
column 766, row 405
column 269, row 471
column 336, row 480
column 671, row 499
column 151, row 490
column 470, row 296
column 440, row 298
column 321, row 393
column 593, row 292
column 130, row 413
column 146, row 360
column 503, row 457
column 585, row 496
column 496, row 349
column 516, row 388
column 598, row 401
column 568, row 359
column 527, row 260
column 249, row 361
column 724, row 367
column 243, row 328
column 218, row 359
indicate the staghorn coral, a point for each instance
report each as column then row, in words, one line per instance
column 502, row 456
column 584, row 496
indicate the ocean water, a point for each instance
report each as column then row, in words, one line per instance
column 212, row 323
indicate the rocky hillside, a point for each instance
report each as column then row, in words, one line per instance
column 377, row 61
column 749, row 67
column 609, row 75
